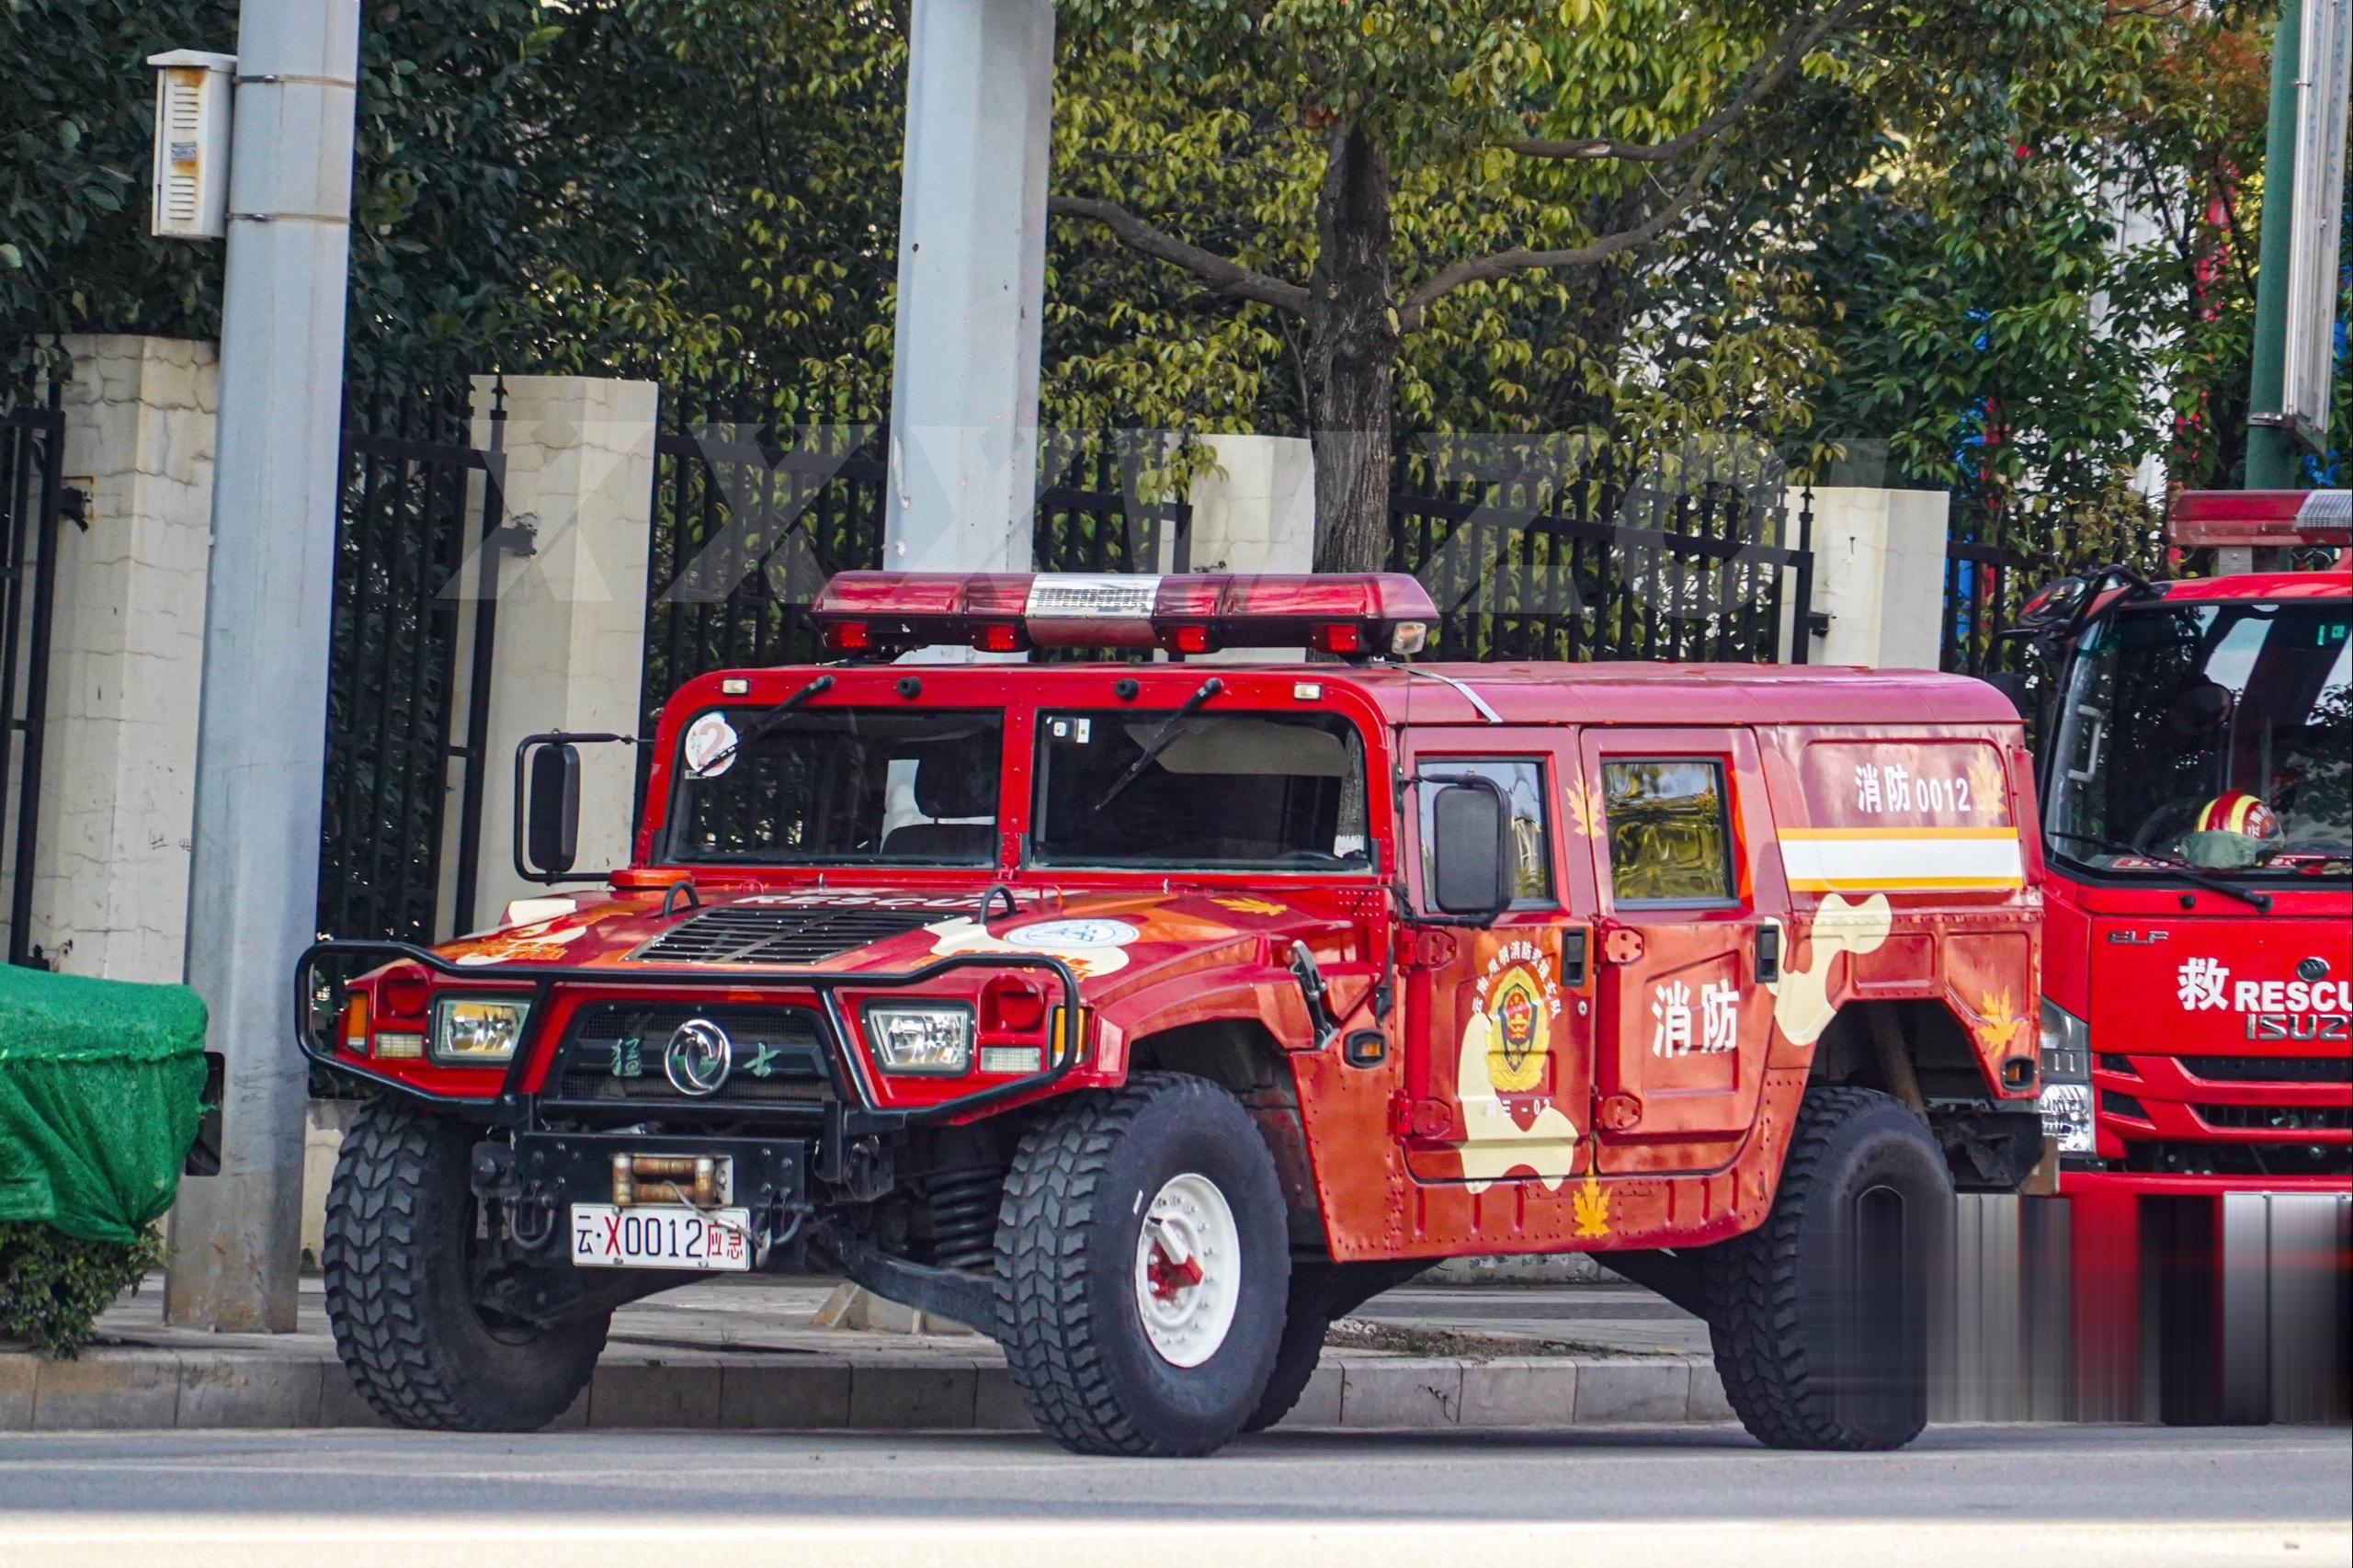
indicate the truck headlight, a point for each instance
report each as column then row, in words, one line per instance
column 921, row 1037
column 2067, row 1080
column 477, row 1031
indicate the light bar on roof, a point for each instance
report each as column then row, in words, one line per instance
column 1358, row 615
column 2207, row 518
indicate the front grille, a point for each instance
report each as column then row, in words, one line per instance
column 761, row 934
column 613, row 1054
column 2270, row 1069
column 2167, row 1156
column 2115, row 1104
column 2276, row 1119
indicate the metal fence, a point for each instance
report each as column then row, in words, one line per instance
column 417, row 540
column 1997, row 557
column 1685, row 555
column 751, row 515
column 34, row 500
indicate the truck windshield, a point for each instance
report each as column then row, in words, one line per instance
column 1228, row 791
column 838, row 787
column 2219, row 736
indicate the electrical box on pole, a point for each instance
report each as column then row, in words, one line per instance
column 190, row 182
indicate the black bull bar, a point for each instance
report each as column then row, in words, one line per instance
column 861, row 1112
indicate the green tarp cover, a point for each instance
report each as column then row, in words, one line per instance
column 101, row 1089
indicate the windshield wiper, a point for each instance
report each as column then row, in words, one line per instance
column 2182, row 868
column 762, row 725
column 1160, row 741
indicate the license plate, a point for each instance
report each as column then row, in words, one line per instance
column 605, row 1236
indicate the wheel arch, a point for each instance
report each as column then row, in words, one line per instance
column 1243, row 1056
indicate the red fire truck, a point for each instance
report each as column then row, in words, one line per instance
column 1148, row 1014
column 2196, row 764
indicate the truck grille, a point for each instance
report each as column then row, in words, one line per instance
column 2270, row 1069
column 613, row 1055
column 2276, row 1119
column 2167, row 1156
column 759, row 934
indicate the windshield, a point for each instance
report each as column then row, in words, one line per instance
column 2216, row 735
column 1228, row 791
column 838, row 787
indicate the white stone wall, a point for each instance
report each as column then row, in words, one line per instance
column 127, row 650
column 1878, row 564
column 571, row 623
column 1257, row 512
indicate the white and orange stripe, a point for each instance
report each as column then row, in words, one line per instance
column 1903, row 859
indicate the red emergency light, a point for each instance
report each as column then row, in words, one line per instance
column 2208, row 519
column 1353, row 616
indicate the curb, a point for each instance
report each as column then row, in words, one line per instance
column 126, row 1390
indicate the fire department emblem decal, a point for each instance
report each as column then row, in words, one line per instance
column 1516, row 1007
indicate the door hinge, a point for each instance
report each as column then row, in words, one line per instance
column 1424, row 949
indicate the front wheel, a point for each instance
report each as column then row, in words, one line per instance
column 1142, row 1266
column 1820, row 1318
column 403, row 1260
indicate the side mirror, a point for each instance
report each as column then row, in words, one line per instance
column 2012, row 685
column 551, row 838
column 1470, row 851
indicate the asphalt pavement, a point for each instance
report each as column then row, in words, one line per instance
column 1693, row 1497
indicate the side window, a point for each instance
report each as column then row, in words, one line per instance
column 1523, row 783
column 1670, row 831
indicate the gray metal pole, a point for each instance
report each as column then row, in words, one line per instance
column 971, row 286
column 261, row 741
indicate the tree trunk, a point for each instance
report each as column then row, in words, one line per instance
column 1352, row 357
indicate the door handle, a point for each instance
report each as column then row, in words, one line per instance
column 1768, row 954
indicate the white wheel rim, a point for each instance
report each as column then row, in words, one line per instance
column 1189, row 1270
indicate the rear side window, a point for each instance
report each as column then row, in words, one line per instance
column 1670, row 832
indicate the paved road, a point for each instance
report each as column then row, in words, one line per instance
column 2084, row 1497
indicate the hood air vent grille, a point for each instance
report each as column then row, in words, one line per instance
column 763, row 934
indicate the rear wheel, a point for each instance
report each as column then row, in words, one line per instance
column 1143, row 1265
column 404, row 1258
column 1820, row 1318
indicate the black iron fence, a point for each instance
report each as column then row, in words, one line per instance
column 1997, row 556
column 418, row 542
column 751, row 515
column 34, row 499
column 1530, row 554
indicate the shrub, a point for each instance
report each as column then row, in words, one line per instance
column 54, row 1285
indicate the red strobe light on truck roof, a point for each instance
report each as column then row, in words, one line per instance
column 2207, row 518
column 1356, row 615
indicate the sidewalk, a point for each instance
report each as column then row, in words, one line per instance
column 745, row 1354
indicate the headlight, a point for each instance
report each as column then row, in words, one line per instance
column 921, row 1037
column 470, row 1031
column 2066, row 1080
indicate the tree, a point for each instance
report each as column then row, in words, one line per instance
column 1443, row 99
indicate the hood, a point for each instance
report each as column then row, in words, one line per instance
column 1113, row 941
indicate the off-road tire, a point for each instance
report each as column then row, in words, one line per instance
column 398, row 1217
column 1067, row 1231
column 1821, row 1318
column 1296, row 1358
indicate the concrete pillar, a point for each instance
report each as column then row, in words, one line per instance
column 570, row 642
column 971, row 286
column 1879, row 574
column 1257, row 512
column 118, row 774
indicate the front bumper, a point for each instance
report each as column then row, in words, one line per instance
column 854, row 1109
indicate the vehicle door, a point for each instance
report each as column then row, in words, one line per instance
column 1684, row 947
column 1498, row 1056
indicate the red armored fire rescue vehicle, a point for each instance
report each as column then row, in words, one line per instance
column 1148, row 1014
column 2198, row 817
